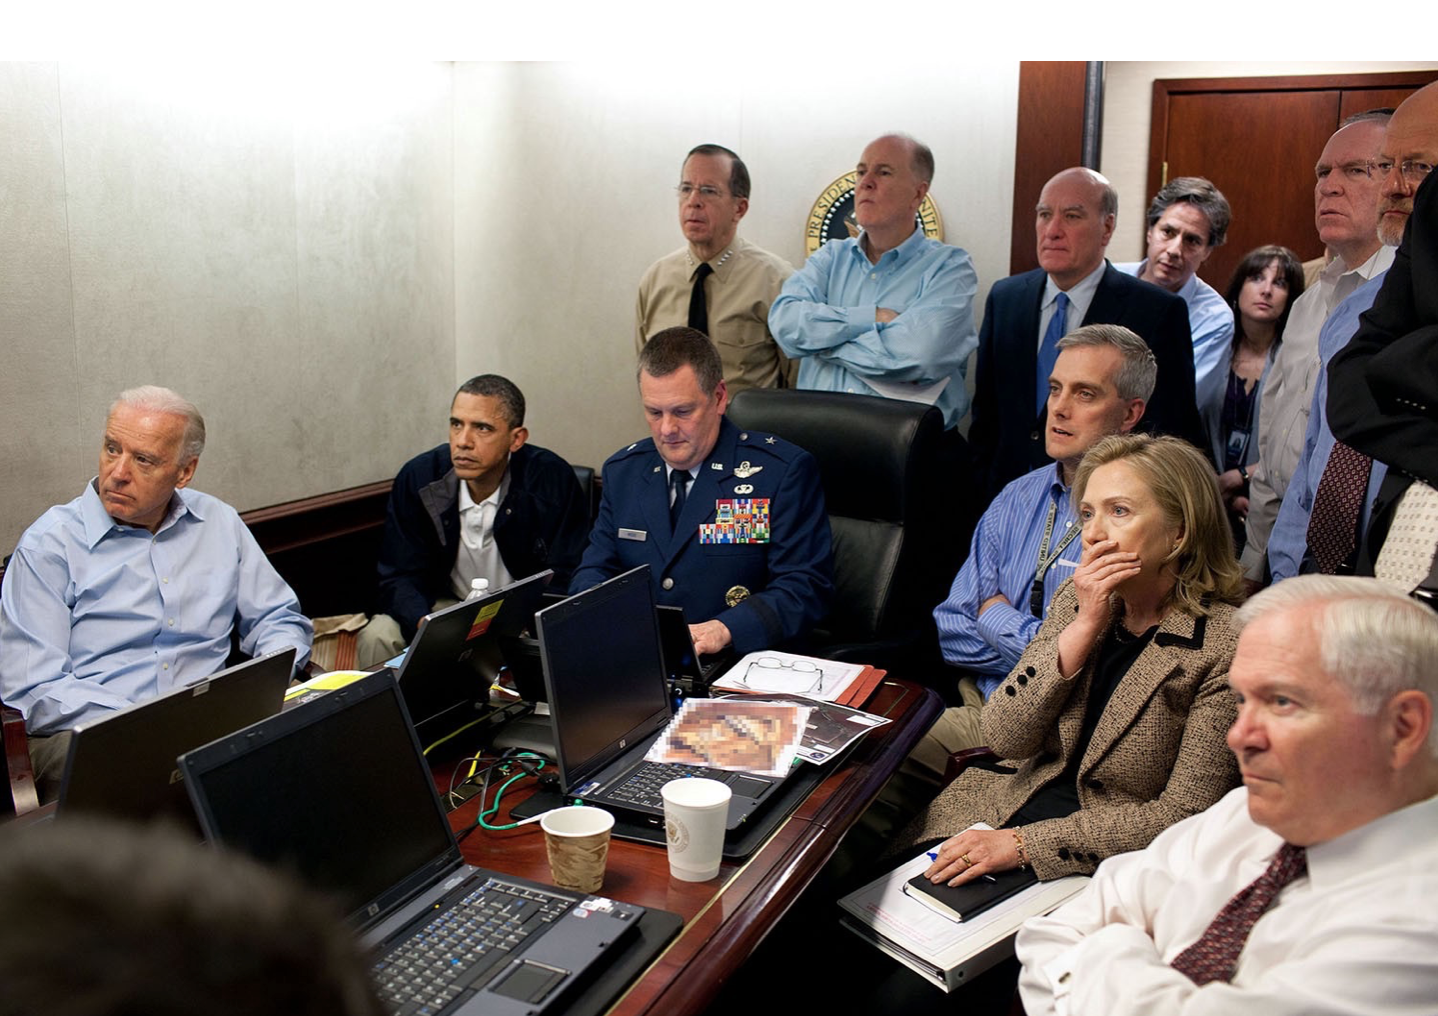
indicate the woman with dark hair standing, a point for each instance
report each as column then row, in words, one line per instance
column 1261, row 293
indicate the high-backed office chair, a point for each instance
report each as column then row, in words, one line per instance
column 20, row 796
column 879, row 462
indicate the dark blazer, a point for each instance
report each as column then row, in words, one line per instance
column 542, row 523
column 1158, row 754
column 1006, row 437
column 766, row 592
column 1383, row 386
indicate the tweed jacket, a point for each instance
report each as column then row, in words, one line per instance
column 1157, row 755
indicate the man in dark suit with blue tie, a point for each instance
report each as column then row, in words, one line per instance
column 731, row 523
column 1025, row 316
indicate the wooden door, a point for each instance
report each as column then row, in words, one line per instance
column 1257, row 139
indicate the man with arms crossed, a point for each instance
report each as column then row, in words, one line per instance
column 1308, row 890
column 730, row 522
column 1026, row 544
column 134, row 588
column 718, row 283
column 486, row 505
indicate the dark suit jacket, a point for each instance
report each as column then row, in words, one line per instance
column 1383, row 386
column 787, row 577
column 1006, row 437
column 1158, row 753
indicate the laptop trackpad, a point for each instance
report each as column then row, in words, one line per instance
column 529, row 981
column 746, row 786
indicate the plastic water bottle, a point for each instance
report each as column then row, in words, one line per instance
column 477, row 588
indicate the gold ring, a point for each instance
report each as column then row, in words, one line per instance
column 967, row 863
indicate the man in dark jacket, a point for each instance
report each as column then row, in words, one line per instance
column 484, row 506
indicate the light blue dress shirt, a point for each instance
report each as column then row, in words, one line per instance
column 1289, row 541
column 1002, row 559
column 1210, row 319
column 825, row 314
column 96, row 616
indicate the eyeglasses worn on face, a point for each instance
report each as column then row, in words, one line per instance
column 1354, row 171
column 686, row 191
column 802, row 677
column 1412, row 171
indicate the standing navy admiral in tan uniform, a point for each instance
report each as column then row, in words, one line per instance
column 748, row 556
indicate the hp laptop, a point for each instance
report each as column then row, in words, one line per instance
column 609, row 700
column 456, row 653
column 124, row 765
column 336, row 791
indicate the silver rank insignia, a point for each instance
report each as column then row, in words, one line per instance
column 769, row 439
column 744, row 488
column 743, row 470
column 736, row 595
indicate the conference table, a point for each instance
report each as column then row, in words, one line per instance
column 727, row 917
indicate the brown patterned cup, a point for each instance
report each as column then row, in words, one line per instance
column 577, row 840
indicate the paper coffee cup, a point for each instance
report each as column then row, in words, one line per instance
column 695, row 814
column 577, row 841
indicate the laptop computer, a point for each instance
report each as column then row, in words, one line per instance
column 609, row 700
column 336, row 791
column 456, row 653
column 124, row 765
column 682, row 664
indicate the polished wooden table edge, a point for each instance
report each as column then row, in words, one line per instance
column 711, row 948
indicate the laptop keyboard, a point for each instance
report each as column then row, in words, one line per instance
column 457, row 952
column 642, row 785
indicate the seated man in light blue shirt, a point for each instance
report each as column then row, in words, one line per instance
column 1187, row 219
column 889, row 312
column 1026, row 544
column 134, row 588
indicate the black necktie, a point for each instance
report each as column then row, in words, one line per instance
column 698, row 309
column 679, row 480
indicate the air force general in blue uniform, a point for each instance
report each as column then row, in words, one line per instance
column 750, row 548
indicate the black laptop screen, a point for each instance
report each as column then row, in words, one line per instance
column 334, row 791
column 604, row 672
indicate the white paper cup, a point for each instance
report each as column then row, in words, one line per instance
column 577, row 841
column 695, row 813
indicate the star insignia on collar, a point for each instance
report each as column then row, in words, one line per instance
column 770, row 439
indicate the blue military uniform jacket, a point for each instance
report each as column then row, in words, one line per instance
column 763, row 565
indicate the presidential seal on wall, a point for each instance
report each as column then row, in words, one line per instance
column 832, row 217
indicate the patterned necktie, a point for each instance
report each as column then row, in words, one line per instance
column 679, row 480
column 1406, row 557
column 1049, row 350
column 1215, row 955
column 1337, row 507
column 698, row 309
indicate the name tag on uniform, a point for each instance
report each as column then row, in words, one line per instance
column 633, row 534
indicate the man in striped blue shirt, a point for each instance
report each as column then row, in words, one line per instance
column 1027, row 543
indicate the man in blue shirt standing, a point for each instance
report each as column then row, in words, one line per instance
column 889, row 312
column 1187, row 220
column 1026, row 544
column 134, row 588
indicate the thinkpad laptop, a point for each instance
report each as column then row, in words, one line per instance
column 124, row 765
column 337, row 792
column 456, row 653
column 609, row 699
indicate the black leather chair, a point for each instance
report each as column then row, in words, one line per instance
column 881, row 465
